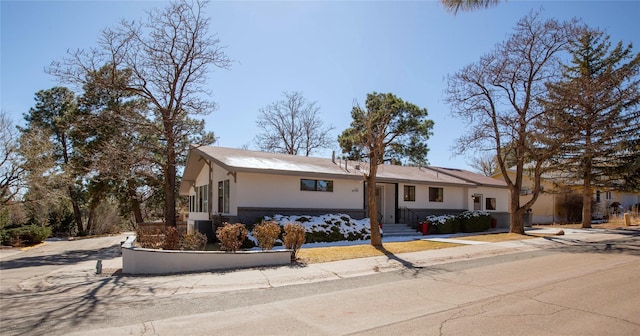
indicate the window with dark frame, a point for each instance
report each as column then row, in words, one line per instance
column 223, row 196
column 490, row 203
column 436, row 194
column 200, row 201
column 316, row 185
column 409, row 193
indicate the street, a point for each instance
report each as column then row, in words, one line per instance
column 582, row 284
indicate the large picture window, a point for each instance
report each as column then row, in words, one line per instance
column 409, row 193
column 316, row 185
column 436, row 194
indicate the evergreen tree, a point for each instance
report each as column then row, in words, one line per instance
column 387, row 129
column 596, row 115
column 54, row 118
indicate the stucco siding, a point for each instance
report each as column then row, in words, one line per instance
column 264, row 190
column 500, row 194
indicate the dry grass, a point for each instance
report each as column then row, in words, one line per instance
column 334, row 253
column 613, row 223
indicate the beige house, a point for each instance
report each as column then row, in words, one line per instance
column 242, row 185
column 561, row 200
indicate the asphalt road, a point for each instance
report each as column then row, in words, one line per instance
column 579, row 289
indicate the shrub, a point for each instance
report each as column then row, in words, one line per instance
column 150, row 237
column 475, row 221
column 329, row 227
column 231, row 236
column 266, row 233
column 29, row 235
column 193, row 241
column 294, row 237
column 443, row 224
column 171, row 239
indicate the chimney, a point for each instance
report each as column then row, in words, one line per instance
column 333, row 157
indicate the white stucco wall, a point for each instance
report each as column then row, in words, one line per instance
column 264, row 190
column 500, row 194
column 453, row 197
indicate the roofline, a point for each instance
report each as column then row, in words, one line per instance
column 443, row 171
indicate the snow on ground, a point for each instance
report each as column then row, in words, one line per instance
column 323, row 223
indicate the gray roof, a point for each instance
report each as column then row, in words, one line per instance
column 240, row 160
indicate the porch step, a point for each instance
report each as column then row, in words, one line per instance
column 399, row 230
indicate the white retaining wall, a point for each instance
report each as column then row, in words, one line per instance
column 150, row 261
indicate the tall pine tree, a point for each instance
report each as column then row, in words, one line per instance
column 595, row 107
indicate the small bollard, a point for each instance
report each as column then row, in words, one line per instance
column 99, row 266
column 627, row 219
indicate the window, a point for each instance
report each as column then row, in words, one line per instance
column 608, row 195
column 410, row 193
column 223, row 196
column 316, row 185
column 192, row 203
column 436, row 194
column 598, row 196
column 490, row 203
column 200, row 201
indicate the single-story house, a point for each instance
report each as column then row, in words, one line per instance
column 560, row 200
column 236, row 185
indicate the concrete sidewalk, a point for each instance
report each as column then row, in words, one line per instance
column 82, row 275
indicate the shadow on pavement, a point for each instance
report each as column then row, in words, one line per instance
column 57, row 308
column 630, row 244
column 66, row 258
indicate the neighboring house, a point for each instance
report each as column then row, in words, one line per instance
column 560, row 200
column 225, row 184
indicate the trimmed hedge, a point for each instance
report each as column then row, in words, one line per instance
column 468, row 221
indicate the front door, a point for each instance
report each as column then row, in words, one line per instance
column 477, row 202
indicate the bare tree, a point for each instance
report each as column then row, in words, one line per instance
column 169, row 56
column 11, row 169
column 293, row 126
column 485, row 164
column 498, row 97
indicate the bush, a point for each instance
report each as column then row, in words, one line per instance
column 293, row 238
column 267, row 233
column 150, row 237
column 171, row 239
column 443, row 224
column 196, row 241
column 475, row 221
column 231, row 236
column 329, row 227
column 25, row 235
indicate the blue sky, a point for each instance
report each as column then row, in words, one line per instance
column 334, row 52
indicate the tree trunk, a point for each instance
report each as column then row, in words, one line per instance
column 587, row 195
column 135, row 203
column 376, row 238
column 77, row 214
column 91, row 219
column 170, row 180
column 516, row 214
